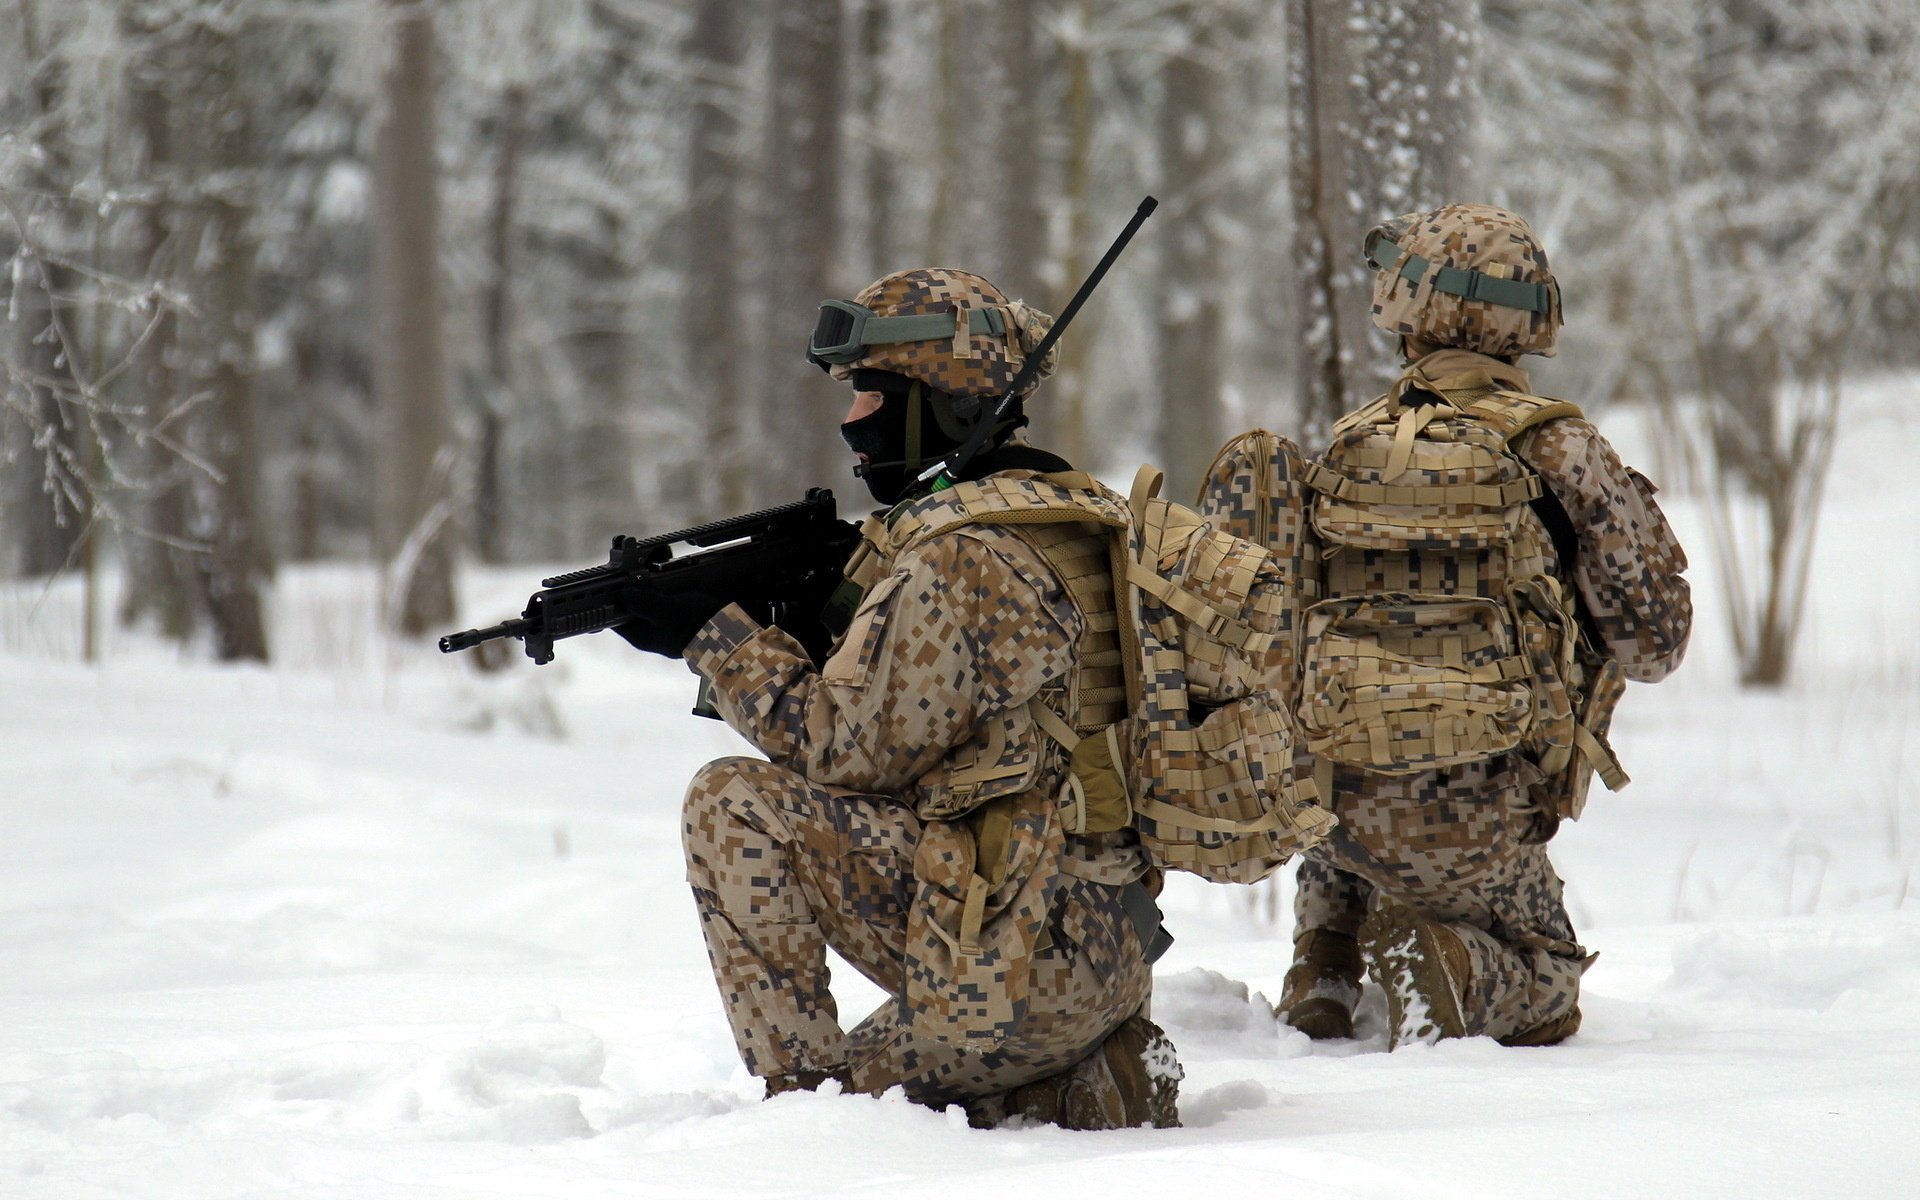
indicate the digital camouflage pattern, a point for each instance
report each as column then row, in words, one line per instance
column 1474, row 237
column 782, row 869
column 1463, row 843
column 892, row 764
column 1199, row 756
column 1448, row 844
column 975, row 364
column 1254, row 490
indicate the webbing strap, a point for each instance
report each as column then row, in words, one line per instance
column 1277, row 817
column 1218, row 625
column 1595, row 750
column 992, row 764
column 1411, row 422
column 1053, row 724
column 1481, row 495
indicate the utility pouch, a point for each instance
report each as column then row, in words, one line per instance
column 1006, row 762
column 1219, row 798
column 1399, row 682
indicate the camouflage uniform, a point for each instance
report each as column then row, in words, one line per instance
column 863, row 831
column 1462, row 844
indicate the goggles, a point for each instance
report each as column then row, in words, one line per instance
column 845, row 331
column 1382, row 252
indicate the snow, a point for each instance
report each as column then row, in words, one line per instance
column 368, row 924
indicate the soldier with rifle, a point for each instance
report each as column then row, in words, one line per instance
column 898, row 816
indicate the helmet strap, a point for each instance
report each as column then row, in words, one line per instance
column 914, row 457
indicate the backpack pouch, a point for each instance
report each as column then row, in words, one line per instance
column 1453, row 488
column 1217, row 798
column 1400, row 682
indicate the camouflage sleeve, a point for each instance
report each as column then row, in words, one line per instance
column 968, row 624
column 1629, row 565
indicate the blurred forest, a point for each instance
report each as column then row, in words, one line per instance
column 424, row 282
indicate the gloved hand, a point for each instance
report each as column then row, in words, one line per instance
column 664, row 624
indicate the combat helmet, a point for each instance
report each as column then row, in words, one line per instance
column 909, row 323
column 1465, row 275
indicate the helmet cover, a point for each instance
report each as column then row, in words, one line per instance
column 1476, row 238
column 978, row 365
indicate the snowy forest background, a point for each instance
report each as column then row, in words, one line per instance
column 416, row 284
column 329, row 323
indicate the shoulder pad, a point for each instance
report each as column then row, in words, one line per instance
column 1007, row 499
column 1511, row 414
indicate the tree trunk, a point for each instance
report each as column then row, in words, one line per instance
column 987, row 214
column 1380, row 109
column 800, row 228
column 602, row 469
column 1061, row 422
column 489, row 514
column 218, row 348
column 879, row 177
column 161, row 583
column 711, row 304
column 1188, row 302
column 414, row 521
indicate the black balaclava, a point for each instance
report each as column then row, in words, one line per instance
column 915, row 425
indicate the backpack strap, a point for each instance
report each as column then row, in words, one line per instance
column 1513, row 413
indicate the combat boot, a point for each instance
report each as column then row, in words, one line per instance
column 1422, row 966
column 1131, row 1079
column 1322, row 986
column 807, row 1081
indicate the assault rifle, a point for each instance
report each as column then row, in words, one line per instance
column 782, row 565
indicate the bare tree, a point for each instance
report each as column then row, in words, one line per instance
column 711, row 307
column 1381, row 103
column 1189, row 306
column 217, row 348
column 415, row 518
column 497, row 334
column 46, row 507
column 800, row 214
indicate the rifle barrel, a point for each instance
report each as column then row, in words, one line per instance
column 468, row 639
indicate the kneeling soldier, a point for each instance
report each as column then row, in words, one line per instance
column 901, row 816
column 1492, row 573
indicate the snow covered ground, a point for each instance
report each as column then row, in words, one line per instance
column 366, row 924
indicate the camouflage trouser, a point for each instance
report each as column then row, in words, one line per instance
column 782, row 868
column 1443, row 843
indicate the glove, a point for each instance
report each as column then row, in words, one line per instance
column 664, row 623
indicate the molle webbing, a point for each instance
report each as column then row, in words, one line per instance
column 1081, row 555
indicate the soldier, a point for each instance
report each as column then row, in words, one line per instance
column 1437, row 879
column 903, row 813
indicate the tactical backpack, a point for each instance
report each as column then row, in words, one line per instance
column 1173, row 733
column 1429, row 629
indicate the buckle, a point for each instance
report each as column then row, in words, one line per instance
column 1375, row 236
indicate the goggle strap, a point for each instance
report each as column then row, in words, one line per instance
column 1468, row 285
column 928, row 327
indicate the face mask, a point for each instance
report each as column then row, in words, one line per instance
column 879, row 439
